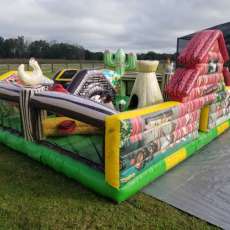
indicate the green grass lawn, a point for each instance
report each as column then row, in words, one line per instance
column 33, row 196
column 47, row 70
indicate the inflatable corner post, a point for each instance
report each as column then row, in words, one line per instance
column 119, row 62
column 116, row 154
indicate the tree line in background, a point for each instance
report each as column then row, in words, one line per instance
column 20, row 48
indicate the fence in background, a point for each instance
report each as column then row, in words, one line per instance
column 49, row 65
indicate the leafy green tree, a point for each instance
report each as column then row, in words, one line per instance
column 20, row 48
column 1, row 47
column 39, row 49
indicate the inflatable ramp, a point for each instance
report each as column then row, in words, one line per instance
column 201, row 185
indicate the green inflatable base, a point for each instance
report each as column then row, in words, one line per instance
column 92, row 178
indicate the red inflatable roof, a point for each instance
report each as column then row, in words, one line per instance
column 199, row 46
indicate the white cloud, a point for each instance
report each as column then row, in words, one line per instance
column 138, row 25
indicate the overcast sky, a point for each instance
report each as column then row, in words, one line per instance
column 138, row 25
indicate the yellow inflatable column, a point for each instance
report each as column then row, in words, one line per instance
column 112, row 151
column 204, row 116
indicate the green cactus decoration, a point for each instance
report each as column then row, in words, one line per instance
column 119, row 62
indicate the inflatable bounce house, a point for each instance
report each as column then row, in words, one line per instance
column 81, row 133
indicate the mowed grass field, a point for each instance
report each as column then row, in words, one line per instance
column 33, row 196
column 49, row 67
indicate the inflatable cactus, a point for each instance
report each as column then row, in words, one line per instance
column 118, row 61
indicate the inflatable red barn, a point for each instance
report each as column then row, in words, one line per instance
column 202, row 74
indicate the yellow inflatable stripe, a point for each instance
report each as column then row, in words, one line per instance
column 204, row 116
column 228, row 88
column 7, row 74
column 175, row 158
column 59, row 75
column 50, row 126
column 146, row 110
column 221, row 128
column 112, row 151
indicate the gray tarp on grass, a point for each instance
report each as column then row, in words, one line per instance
column 201, row 184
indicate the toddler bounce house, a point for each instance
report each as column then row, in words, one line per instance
column 81, row 133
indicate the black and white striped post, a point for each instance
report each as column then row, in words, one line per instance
column 24, row 100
